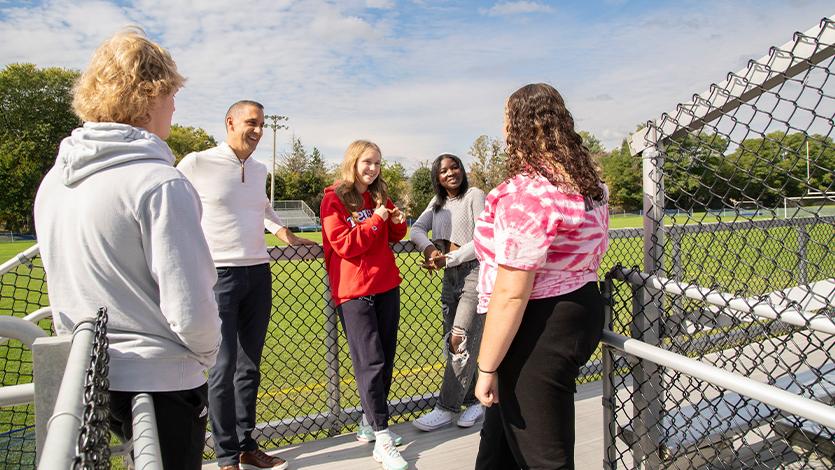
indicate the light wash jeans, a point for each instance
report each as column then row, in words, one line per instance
column 459, row 300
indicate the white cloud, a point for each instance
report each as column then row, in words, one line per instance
column 380, row 4
column 418, row 85
column 517, row 8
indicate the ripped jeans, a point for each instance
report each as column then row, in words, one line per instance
column 459, row 299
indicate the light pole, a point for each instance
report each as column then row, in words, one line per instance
column 273, row 123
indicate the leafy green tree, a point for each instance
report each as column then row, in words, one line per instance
column 692, row 171
column 488, row 168
column 622, row 173
column 35, row 115
column 767, row 169
column 301, row 176
column 592, row 143
column 394, row 174
column 186, row 139
column 421, row 191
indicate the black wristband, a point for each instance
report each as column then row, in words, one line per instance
column 478, row 366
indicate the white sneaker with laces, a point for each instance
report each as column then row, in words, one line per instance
column 436, row 419
column 386, row 453
column 470, row 416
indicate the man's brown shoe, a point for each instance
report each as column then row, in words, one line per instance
column 258, row 460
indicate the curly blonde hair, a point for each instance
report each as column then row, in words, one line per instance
column 345, row 190
column 541, row 140
column 125, row 75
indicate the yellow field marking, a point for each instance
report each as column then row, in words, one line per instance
column 346, row 381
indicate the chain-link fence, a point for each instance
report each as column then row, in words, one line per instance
column 730, row 281
column 307, row 387
column 22, row 292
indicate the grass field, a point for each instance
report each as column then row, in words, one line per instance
column 294, row 361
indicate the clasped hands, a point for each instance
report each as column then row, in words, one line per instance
column 433, row 259
column 397, row 216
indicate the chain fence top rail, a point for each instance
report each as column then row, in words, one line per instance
column 742, row 309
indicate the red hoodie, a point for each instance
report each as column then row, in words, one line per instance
column 357, row 253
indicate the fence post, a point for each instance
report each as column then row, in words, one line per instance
column 64, row 425
column 49, row 360
column 609, row 417
column 648, row 318
column 802, row 262
column 334, row 425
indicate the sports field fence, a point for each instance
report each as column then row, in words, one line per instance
column 719, row 351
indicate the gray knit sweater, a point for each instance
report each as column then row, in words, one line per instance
column 454, row 221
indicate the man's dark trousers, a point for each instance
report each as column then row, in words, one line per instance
column 244, row 299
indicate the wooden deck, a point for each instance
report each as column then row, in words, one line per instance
column 448, row 448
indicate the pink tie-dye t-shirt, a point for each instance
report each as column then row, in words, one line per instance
column 528, row 223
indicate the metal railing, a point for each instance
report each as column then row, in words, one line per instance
column 753, row 306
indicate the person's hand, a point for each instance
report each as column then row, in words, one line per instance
column 397, row 216
column 429, row 254
column 382, row 211
column 297, row 240
column 439, row 260
column 487, row 389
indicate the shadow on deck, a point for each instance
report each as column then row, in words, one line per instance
column 448, row 448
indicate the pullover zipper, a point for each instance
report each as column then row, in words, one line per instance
column 243, row 178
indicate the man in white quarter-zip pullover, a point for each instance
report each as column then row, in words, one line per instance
column 236, row 210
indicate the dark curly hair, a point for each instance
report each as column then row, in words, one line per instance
column 541, row 140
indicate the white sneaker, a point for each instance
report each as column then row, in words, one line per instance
column 471, row 415
column 386, row 453
column 436, row 419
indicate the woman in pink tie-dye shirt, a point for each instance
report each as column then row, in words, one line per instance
column 540, row 241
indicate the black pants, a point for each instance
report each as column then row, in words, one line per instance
column 244, row 299
column 370, row 324
column 532, row 427
column 181, row 424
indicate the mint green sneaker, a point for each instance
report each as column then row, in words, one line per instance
column 365, row 433
column 387, row 454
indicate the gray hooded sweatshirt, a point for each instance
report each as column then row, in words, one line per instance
column 118, row 226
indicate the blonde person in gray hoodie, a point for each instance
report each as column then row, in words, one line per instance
column 118, row 226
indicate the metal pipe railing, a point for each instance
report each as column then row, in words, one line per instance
column 65, row 423
column 768, row 394
column 146, row 451
column 24, row 257
column 757, row 308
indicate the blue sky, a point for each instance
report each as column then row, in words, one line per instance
column 419, row 77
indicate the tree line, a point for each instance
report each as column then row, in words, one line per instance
column 702, row 171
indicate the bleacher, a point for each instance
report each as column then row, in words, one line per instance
column 297, row 215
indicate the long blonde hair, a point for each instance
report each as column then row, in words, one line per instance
column 345, row 189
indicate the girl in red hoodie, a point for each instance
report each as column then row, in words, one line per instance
column 358, row 223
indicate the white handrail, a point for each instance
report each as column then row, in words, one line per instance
column 21, row 258
column 65, row 423
column 146, row 451
column 792, row 316
column 768, row 394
